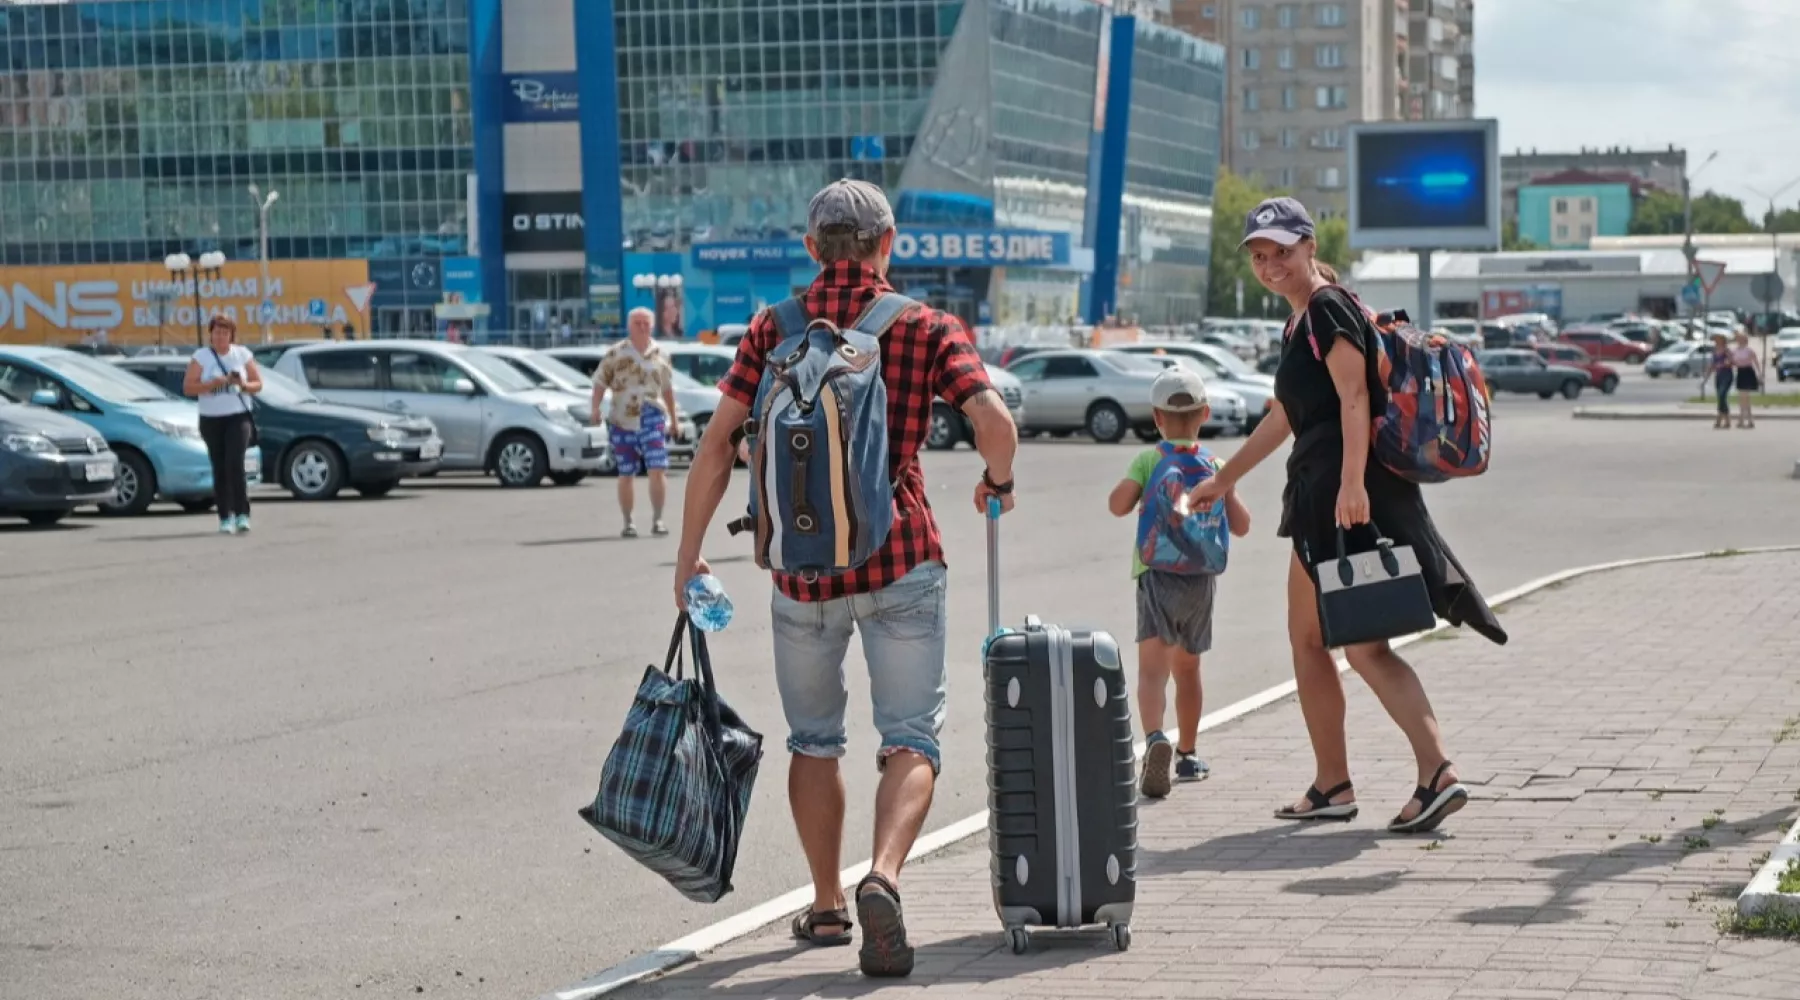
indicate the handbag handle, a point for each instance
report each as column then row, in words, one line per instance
column 675, row 665
column 1383, row 544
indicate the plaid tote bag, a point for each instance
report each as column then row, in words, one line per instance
column 676, row 787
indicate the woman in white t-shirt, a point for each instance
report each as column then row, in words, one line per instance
column 223, row 376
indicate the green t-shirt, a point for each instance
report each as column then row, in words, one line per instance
column 1139, row 473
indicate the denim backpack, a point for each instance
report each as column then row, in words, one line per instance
column 821, row 498
column 1191, row 543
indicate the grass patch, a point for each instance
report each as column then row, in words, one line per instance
column 1789, row 880
column 1777, row 925
column 1656, row 795
column 1760, row 399
column 1436, row 845
column 1789, row 730
column 1709, row 822
column 1761, row 859
column 1692, row 844
column 1724, row 553
column 1653, row 838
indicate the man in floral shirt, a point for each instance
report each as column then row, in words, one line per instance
column 642, row 415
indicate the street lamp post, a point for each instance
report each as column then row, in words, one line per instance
column 262, row 228
column 183, row 267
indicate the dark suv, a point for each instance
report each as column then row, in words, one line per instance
column 50, row 464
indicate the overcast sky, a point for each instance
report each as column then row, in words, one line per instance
column 1703, row 74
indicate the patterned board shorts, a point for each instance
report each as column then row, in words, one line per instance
column 1176, row 609
column 645, row 448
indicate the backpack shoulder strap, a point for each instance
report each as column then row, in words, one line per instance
column 790, row 317
column 882, row 313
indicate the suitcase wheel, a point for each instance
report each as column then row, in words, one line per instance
column 1019, row 939
column 1121, row 935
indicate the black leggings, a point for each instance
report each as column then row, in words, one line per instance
column 227, row 439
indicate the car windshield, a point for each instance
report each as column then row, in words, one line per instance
column 559, row 370
column 685, row 381
column 505, row 377
column 279, row 390
column 1232, row 364
column 1135, row 363
column 105, row 381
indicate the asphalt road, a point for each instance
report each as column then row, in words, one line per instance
column 342, row 756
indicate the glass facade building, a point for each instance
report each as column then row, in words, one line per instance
column 132, row 129
column 976, row 114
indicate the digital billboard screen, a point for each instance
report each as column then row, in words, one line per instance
column 1424, row 185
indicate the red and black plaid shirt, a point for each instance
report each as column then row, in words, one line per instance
column 925, row 354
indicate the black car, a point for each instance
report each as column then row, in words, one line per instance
column 50, row 464
column 316, row 448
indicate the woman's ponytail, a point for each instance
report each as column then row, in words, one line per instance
column 1326, row 271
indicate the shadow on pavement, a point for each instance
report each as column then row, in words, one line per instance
column 1281, row 848
column 22, row 528
column 1360, row 885
column 970, row 959
column 1587, row 869
column 347, row 497
column 594, row 540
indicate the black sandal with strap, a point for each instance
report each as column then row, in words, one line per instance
column 885, row 952
column 808, row 921
column 1322, row 807
column 1437, row 804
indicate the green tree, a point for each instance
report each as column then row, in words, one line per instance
column 1659, row 213
column 1786, row 220
column 1233, row 198
column 1333, row 237
column 1511, row 240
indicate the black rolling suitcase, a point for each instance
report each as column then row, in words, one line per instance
column 1062, row 795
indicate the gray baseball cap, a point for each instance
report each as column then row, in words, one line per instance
column 1178, row 389
column 1283, row 220
column 857, row 204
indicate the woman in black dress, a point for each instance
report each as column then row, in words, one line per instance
column 1324, row 400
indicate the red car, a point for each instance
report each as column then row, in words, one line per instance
column 1605, row 344
column 1601, row 376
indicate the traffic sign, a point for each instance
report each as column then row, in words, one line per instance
column 359, row 296
column 1767, row 287
column 268, row 311
column 1710, row 271
column 315, row 310
column 1690, row 294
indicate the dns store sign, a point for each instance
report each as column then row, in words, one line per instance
column 67, row 305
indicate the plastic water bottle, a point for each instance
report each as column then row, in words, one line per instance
column 708, row 605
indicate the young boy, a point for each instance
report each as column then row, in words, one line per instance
column 1174, row 611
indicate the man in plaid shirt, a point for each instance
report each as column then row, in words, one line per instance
column 895, row 599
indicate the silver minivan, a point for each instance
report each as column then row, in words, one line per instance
column 492, row 419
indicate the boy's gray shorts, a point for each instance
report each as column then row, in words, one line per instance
column 1176, row 609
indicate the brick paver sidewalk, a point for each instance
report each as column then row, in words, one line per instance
column 1623, row 760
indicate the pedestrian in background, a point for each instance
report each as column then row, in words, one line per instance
column 642, row 381
column 223, row 376
column 1334, row 486
column 1722, row 375
column 1748, row 370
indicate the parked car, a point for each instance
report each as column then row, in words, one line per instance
column 155, row 435
column 267, row 354
column 50, row 464
column 1229, row 410
column 1788, row 365
column 1601, row 376
column 573, row 368
column 1517, row 370
column 1646, row 335
column 1234, row 342
column 491, row 418
column 949, row 427
column 1606, row 344
column 1786, row 339
column 731, row 333
column 315, row 448
column 1683, row 360
column 706, row 364
column 1219, row 367
column 1102, row 392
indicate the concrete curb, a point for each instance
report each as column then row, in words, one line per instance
column 1669, row 413
column 1761, row 896
column 684, row 950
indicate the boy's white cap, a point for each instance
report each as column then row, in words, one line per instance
column 1178, row 389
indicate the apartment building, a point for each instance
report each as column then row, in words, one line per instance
column 1301, row 72
column 1645, row 169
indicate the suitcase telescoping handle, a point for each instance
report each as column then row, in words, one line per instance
column 993, row 567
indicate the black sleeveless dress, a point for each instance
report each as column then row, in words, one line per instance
column 1307, row 395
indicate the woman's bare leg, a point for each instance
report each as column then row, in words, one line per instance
column 1321, row 691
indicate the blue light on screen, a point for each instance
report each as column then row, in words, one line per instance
column 1431, row 180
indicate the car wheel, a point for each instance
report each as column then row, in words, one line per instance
column 1546, row 394
column 1609, row 384
column 1106, row 422
column 944, row 434
column 44, row 518
column 381, row 489
column 1634, row 358
column 1682, row 371
column 520, row 462
column 1652, row 374
column 313, row 471
column 1148, row 435
column 569, row 478
column 1571, row 389
column 134, row 489
column 196, row 506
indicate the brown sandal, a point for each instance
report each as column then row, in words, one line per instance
column 807, row 923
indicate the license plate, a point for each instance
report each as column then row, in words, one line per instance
column 100, row 471
column 431, row 449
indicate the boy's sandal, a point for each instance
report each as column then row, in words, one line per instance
column 1438, row 804
column 1322, row 807
column 807, row 923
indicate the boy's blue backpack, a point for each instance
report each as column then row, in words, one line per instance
column 821, row 499
column 1193, row 545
